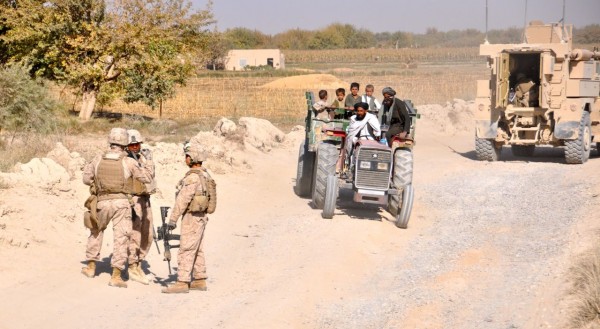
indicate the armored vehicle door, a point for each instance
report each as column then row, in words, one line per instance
column 502, row 80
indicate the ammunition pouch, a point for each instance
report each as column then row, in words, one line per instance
column 199, row 203
column 211, row 188
column 138, row 188
column 87, row 220
column 90, row 216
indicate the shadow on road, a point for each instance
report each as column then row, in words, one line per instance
column 542, row 154
column 363, row 211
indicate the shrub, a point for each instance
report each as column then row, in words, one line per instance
column 584, row 291
column 24, row 103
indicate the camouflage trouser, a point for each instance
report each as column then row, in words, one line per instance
column 119, row 212
column 191, row 255
column 142, row 230
column 94, row 245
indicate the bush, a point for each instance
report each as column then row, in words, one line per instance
column 584, row 291
column 24, row 104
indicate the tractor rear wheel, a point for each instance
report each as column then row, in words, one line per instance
column 401, row 177
column 327, row 157
column 306, row 161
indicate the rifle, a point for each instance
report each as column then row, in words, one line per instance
column 165, row 234
column 155, row 238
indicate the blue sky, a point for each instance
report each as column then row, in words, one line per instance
column 274, row 16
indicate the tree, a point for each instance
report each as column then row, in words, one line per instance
column 243, row 38
column 88, row 43
column 293, row 39
column 24, row 104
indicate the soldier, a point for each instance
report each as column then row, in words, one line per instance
column 194, row 194
column 394, row 115
column 113, row 174
column 526, row 91
column 142, row 233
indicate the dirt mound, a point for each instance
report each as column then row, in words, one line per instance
column 42, row 173
column 309, row 81
column 261, row 133
column 450, row 119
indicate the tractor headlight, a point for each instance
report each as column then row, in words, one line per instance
column 365, row 165
column 383, row 166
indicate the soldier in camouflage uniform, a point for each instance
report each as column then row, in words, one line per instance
column 192, row 205
column 142, row 233
column 526, row 92
column 113, row 173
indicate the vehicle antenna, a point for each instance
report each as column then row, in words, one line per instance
column 486, row 23
column 523, row 38
column 563, row 23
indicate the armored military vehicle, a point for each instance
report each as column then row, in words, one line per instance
column 377, row 173
column 540, row 92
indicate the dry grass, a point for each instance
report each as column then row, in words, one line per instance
column 23, row 148
column 374, row 55
column 584, row 291
column 206, row 99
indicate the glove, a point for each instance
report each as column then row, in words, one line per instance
column 172, row 226
column 147, row 154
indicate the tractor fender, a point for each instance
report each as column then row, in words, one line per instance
column 486, row 129
column 567, row 130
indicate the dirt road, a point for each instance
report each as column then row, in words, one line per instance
column 487, row 247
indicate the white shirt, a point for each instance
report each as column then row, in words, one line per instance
column 374, row 104
column 359, row 128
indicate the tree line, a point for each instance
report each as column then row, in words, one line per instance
column 346, row 36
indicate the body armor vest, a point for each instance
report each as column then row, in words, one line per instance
column 110, row 175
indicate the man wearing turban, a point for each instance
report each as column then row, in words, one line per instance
column 394, row 114
column 363, row 125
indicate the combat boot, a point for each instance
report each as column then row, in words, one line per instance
column 116, row 280
column 198, row 285
column 177, row 288
column 90, row 269
column 136, row 274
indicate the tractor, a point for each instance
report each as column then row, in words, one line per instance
column 378, row 174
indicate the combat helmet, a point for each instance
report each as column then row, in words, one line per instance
column 134, row 136
column 195, row 153
column 118, row 136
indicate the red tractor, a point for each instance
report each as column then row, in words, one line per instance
column 377, row 173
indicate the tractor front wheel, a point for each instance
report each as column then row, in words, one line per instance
column 327, row 157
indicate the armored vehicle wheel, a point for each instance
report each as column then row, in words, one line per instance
column 408, row 196
column 578, row 150
column 401, row 177
column 331, row 195
column 522, row 150
column 306, row 161
column 486, row 150
column 327, row 156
